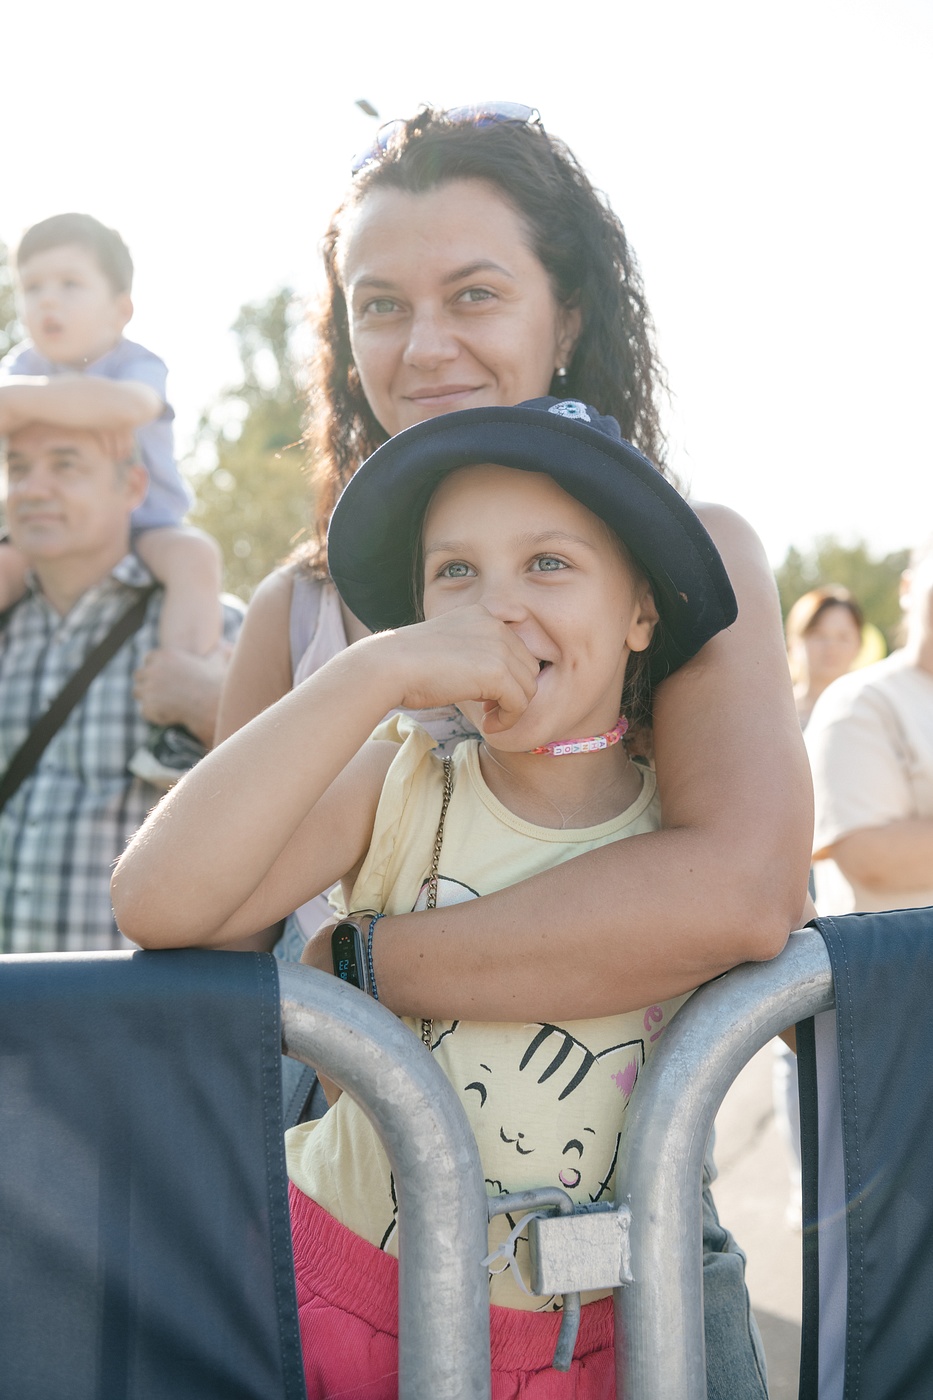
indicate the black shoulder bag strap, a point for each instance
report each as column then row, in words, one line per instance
column 47, row 725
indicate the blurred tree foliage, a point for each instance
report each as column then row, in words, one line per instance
column 873, row 582
column 246, row 469
column 10, row 329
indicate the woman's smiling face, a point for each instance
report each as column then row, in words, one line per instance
column 448, row 305
column 534, row 557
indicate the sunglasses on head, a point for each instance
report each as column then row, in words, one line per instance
column 478, row 114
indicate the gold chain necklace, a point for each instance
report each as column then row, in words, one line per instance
column 427, row 1024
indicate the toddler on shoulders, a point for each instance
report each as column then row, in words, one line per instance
column 74, row 278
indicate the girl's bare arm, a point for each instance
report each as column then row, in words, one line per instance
column 268, row 819
column 284, row 808
column 723, row 882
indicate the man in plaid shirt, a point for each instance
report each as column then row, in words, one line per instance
column 69, row 500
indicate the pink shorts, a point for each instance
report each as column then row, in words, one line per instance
column 348, row 1314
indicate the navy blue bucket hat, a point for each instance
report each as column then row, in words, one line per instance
column 375, row 530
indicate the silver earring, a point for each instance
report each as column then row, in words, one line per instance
column 560, row 374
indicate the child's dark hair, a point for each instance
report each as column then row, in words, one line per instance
column 104, row 244
column 577, row 238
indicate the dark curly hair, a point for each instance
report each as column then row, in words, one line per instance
column 580, row 243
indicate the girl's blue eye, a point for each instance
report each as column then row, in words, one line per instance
column 549, row 563
column 455, row 569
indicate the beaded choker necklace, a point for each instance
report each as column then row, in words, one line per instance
column 598, row 741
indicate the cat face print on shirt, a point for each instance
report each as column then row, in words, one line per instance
column 545, row 1104
column 546, row 1109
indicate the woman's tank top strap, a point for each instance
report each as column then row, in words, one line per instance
column 316, row 625
column 303, row 614
column 317, row 633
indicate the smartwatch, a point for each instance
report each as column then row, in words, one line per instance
column 348, row 950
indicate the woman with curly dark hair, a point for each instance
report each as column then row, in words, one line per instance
column 472, row 264
column 574, row 234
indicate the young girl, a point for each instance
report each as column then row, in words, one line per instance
column 588, row 579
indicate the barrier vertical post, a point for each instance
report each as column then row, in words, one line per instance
column 659, row 1316
column 443, row 1285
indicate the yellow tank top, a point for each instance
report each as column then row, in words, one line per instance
column 545, row 1101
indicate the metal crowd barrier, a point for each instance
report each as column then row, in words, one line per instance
column 443, row 1300
column 444, row 1349
column 648, row 1245
column 664, row 1138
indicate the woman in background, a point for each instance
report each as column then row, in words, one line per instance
column 824, row 637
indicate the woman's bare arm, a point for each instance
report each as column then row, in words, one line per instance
column 273, row 816
column 260, row 670
column 652, row 916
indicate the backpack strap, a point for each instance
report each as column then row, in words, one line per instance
column 48, row 724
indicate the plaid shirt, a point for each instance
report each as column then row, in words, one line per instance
column 64, row 828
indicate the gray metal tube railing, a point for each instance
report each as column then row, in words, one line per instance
column 667, row 1126
column 443, row 1286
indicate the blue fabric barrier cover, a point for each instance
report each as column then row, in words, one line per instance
column 144, row 1235
column 883, row 976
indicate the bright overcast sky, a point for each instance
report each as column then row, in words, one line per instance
column 771, row 164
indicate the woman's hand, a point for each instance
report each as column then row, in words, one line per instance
column 463, row 655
